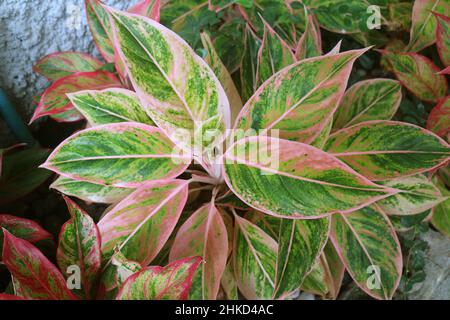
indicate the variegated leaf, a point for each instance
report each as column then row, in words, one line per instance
column 417, row 194
column 98, row 21
column 441, row 213
column 204, row 235
column 300, row 100
column 141, row 223
column 124, row 154
column 172, row 282
column 22, row 228
column 310, row 43
column 368, row 246
column 418, row 74
column 178, row 89
column 79, row 245
column 407, row 223
column 115, row 274
column 269, row 224
column 58, row 65
column 423, row 29
column 300, row 244
column 443, row 37
column 109, row 106
column 9, row 297
column 90, row 192
column 254, row 260
column 252, row 45
column 382, row 150
column 54, row 101
column 147, row 8
column 229, row 283
column 38, row 277
column 326, row 277
column 439, row 119
column 223, row 75
column 376, row 99
column 273, row 55
column 289, row 179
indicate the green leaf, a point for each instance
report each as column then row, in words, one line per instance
column 176, row 87
column 109, row 106
column 125, row 154
column 300, row 244
column 90, row 192
column 98, row 21
column 79, row 245
column 417, row 194
column 254, row 260
column 248, row 66
column 439, row 119
column 172, row 282
column 141, row 223
column 443, row 37
column 291, row 179
column 310, row 43
column 369, row 248
column 300, row 100
column 382, row 150
column 375, row 99
column 441, row 213
column 228, row 282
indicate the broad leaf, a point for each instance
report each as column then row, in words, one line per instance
column 300, row 100
column 254, row 260
column 439, row 119
column 310, row 43
column 213, row 60
column 147, row 8
column 38, row 277
column 376, row 99
column 441, row 213
column 109, row 106
column 294, row 180
column 141, row 223
column 79, row 245
column 54, row 101
column 423, row 29
column 172, row 282
column 100, row 26
column 443, row 37
column 382, row 150
column 19, row 173
column 178, row 89
column 248, row 66
column 273, row 55
column 125, row 154
column 61, row 64
column 204, row 235
column 90, row 192
column 418, row 74
column 369, row 248
column 417, row 195
column 300, row 244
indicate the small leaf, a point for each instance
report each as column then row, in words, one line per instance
column 382, row 150
column 204, row 235
column 58, row 65
column 417, row 194
column 54, row 101
column 79, row 245
column 443, row 37
column 172, row 282
column 109, row 106
column 141, row 223
column 376, row 99
column 423, row 29
column 228, row 282
column 439, row 119
column 368, row 246
column 300, row 244
column 302, row 182
column 38, row 277
column 124, row 154
column 252, row 45
column 300, row 100
column 90, row 192
column 418, row 74
column 310, row 43
column 254, row 260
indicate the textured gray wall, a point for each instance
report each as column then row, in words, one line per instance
column 30, row 29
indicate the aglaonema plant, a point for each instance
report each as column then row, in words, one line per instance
column 284, row 193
